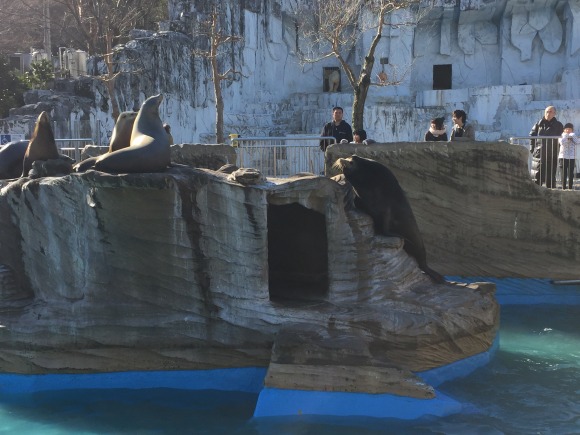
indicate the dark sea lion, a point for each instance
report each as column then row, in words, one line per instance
column 42, row 145
column 120, row 138
column 11, row 159
column 378, row 193
column 149, row 149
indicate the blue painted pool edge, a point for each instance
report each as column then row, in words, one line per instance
column 527, row 291
column 271, row 401
column 247, row 380
column 276, row 402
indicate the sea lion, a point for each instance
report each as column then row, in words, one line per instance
column 378, row 193
column 120, row 138
column 167, row 128
column 228, row 168
column 121, row 135
column 42, row 145
column 11, row 158
column 149, row 149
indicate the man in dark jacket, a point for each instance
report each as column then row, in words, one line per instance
column 337, row 128
column 545, row 151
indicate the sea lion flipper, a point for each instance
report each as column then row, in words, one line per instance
column 85, row 165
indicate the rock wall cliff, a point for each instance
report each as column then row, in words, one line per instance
column 189, row 269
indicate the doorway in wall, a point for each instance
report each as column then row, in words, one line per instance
column 297, row 253
column 442, row 76
column 331, row 79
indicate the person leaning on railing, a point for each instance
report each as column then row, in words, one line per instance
column 338, row 128
column 545, row 151
column 461, row 131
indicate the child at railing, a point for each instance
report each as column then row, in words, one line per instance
column 567, row 155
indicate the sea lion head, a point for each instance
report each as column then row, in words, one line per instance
column 127, row 116
column 152, row 104
column 43, row 125
column 348, row 166
column 121, row 136
column 148, row 124
column 360, row 171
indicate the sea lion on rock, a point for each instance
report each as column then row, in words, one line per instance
column 378, row 193
column 11, row 158
column 121, row 135
column 42, row 145
column 167, row 128
column 149, row 149
column 228, row 168
column 51, row 168
column 120, row 138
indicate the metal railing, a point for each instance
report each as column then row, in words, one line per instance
column 543, row 161
column 281, row 156
column 72, row 147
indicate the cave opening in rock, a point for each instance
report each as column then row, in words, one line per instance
column 297, row 253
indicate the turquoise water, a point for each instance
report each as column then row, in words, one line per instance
column 531, row 386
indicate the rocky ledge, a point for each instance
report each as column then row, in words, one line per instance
column 189, row 269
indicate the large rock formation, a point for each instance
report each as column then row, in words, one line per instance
column 189, row 270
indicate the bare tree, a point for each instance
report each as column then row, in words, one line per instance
column 98, row 25
column 220, row 44
column 95, row 26
column 334, row 29
column 19, row 25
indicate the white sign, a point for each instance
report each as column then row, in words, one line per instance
column 5, row 138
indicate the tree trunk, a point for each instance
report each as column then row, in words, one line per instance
column 219, row 112
column 360, row 93
column 110, row 79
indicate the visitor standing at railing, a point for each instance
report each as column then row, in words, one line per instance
column 545, row 151
column 567, row 155
column 436, row 131
column 359, row 136
column 461, row 130
column 338, row 128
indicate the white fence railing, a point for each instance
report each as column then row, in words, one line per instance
column 72, row 147
column 548, row 152
column 280, row 156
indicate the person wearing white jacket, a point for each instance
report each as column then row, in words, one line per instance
column 567, row 155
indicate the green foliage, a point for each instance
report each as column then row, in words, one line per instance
column 11, row 88
column 39, row 75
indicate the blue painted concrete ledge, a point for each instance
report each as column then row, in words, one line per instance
column 278, row 402
column 275, row 402
column 271, row 402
